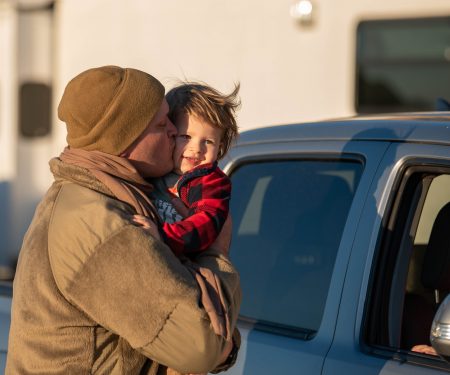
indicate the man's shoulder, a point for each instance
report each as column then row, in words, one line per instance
column 76, row 200
column 82, row 220
column 79, row 209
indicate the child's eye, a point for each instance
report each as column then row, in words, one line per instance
column 183, row 136
column 209, row 141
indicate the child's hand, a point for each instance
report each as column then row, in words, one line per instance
column 178, row 204
column 147, row 224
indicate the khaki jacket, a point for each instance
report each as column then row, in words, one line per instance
column 94, row 294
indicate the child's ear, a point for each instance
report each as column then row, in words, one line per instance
column 220, row 154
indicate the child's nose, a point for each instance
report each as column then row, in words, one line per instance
column 196, row 146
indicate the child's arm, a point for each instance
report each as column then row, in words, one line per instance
column 208, row 200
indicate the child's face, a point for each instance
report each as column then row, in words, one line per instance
column 197, row 142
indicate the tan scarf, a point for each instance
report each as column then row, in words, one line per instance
column 118, row 175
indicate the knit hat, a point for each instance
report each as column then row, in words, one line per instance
column 108, row 108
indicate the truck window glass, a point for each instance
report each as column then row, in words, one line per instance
column 288, row 218
column 410, row 279
column 426, row 286
column 402, row 64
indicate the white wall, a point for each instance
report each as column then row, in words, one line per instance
column 25, row 55
column 288, row 73
column 8, row 91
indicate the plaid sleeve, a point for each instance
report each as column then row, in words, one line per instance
column 207, row 198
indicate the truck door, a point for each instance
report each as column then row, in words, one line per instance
column 397, row 271
column 294, row 207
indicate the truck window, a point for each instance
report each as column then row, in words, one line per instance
column 402, row 64
column 288, row 218
column 411, row 278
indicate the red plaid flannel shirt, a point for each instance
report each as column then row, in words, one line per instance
column 206, row 191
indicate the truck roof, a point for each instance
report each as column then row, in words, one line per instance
column 424, row 127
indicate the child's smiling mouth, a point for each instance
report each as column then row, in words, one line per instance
column 192, row 160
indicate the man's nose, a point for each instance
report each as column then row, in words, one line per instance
column 171, row 129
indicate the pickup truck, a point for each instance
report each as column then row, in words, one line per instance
column 341, row 234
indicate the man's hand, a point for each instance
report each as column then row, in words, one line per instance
column 180, row 207
column 226, row 352
column 147, row 224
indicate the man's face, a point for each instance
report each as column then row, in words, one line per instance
column 151, row 153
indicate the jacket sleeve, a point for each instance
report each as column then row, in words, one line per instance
column 230, row 283
column 134, row 286
column 207, row 198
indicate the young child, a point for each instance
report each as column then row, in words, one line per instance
column 206, row 124
column 193, row 200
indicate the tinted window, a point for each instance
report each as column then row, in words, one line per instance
column 288, row 218
column 410, row 279
column 402, row 65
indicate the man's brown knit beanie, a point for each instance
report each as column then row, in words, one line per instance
column 107, row 108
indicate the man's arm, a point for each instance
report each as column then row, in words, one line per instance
column 134, row 286
column 220, row 249
column 221, row 320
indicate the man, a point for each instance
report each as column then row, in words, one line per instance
column 94, row 294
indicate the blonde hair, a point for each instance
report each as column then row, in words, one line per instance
column 201, row 100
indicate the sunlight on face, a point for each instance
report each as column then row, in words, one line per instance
column 197, row 142
column 151, row 152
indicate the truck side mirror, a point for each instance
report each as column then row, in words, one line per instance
column 440, row 330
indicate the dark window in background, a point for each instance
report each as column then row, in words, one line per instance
column 35, row 109
column 402, row 65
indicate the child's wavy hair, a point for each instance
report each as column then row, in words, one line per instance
column 201, row 100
